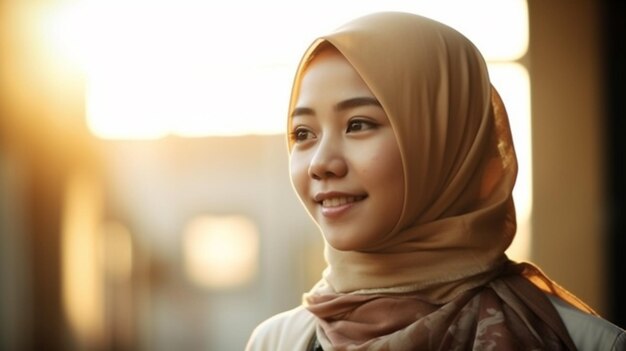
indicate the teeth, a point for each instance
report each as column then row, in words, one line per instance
column 339, row 201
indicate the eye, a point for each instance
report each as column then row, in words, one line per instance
column 301, row 134
column 358, row 125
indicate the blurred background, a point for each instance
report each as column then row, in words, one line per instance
column 145, row 201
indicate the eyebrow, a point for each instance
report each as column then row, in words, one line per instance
column 340, row 106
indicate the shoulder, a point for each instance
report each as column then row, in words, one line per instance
column 290, row 330
column 589, row 332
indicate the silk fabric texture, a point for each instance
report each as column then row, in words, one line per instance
column 440, row 279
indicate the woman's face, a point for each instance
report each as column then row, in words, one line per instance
column 345, row 161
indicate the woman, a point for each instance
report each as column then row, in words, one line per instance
column 401, row 152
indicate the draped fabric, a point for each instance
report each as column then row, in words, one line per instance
column 440, row 279
column 458, row 158
column 508, row 313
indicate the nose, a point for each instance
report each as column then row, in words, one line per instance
column 328, row 161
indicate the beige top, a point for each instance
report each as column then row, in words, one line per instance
column 290, row 331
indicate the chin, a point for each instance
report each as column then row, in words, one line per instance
column 341, row 244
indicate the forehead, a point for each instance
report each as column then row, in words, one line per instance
column 327, row 60
column 329, row 73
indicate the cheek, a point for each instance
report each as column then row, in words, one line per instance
column 384, row 165
column 387, row 172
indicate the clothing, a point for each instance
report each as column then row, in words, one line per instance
column 590, row 333
column 587, row 331
column 440, row 278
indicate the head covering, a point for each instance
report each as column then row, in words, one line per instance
column 459, row 163
column 444, row 264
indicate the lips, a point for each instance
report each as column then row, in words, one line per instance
column 336, row 204
column 340, row 201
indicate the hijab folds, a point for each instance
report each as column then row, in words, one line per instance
column 440, row 279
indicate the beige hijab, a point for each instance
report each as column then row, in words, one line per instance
column 444, row 262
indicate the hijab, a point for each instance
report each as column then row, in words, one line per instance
column 440, row 279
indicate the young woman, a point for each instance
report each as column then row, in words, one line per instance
column 401, row 152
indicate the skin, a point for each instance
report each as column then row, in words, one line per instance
column 345, row 162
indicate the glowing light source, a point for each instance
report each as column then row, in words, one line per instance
column 82, row 276
column 220, row 252
column 65, row 27
column 204, row 68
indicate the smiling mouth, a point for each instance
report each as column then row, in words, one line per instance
column 340, row 201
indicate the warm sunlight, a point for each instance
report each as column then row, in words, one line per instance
column 220, row 252
column 198, row 69
column 82, row 276
column 513, row 83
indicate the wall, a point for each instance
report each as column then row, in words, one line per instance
column 568, row 156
